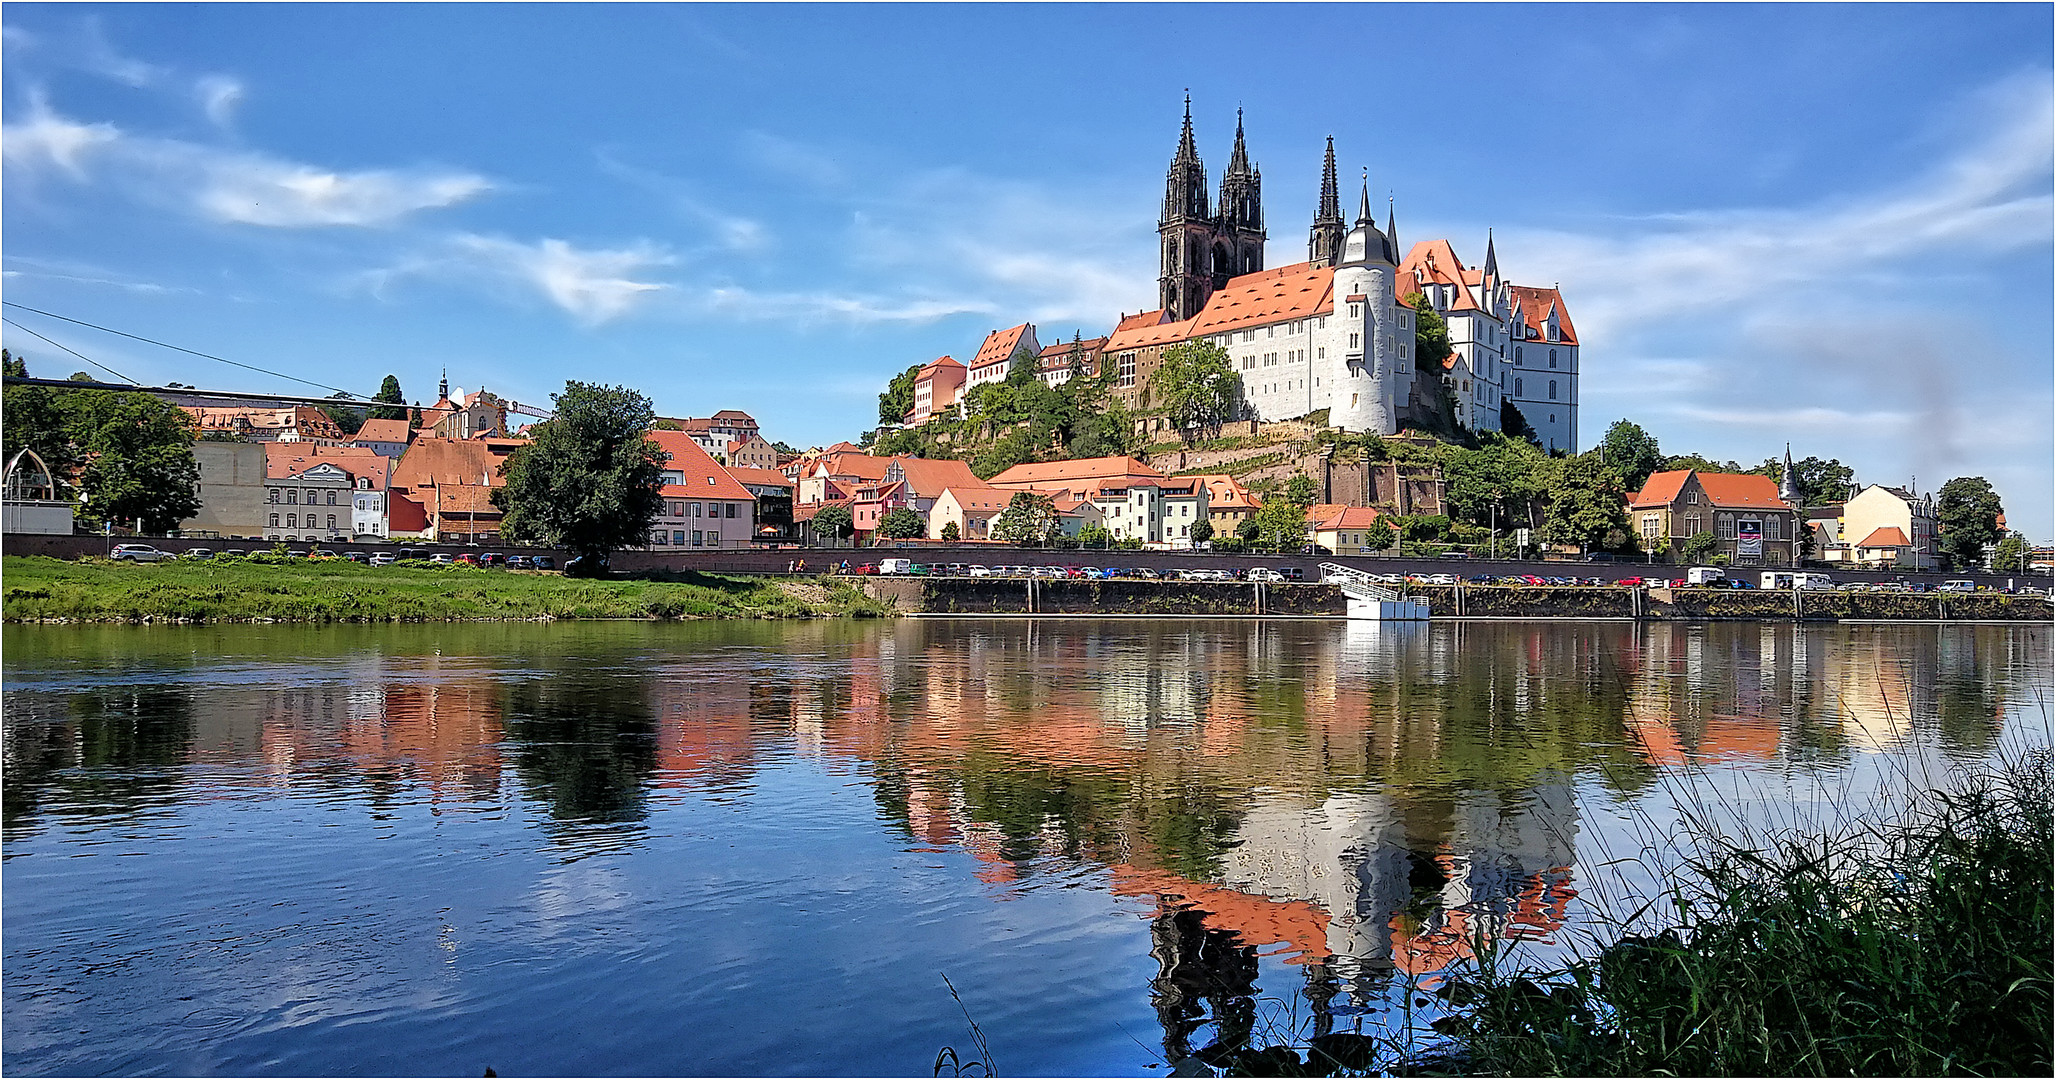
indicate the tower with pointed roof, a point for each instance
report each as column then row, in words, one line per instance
column 1324, row 240
column 1202, row 249
column 1788, row 490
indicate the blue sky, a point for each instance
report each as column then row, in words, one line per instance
column 1824, row 225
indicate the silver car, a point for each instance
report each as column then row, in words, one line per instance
column 138, row 553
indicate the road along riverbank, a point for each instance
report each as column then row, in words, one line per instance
column 1011, row 596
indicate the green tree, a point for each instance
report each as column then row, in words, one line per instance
column 1514, row 425
column 1202, row 531
column 1698, row 548
column 1967, row 512
column 1095, row 535
column 389, row 392
column 1028, row 518
column 134, row 456
column 2011, row 554
column 348, row 417
column 900, row 523
column 1499, row 483
column 1247, row 530
column 13, row 366
column 1431, row 337
column 1281, row 523
column 1301, row 491
column 1632, row 452
column 1196, row 384
column 951, row 532
column 1587, row 504
column 589, row 479
column 1010, row 450
column 33, row 417
column 898, row 399
column 834, row 523
column 1680, row 462
column 1381, row 536
column 1820, row 482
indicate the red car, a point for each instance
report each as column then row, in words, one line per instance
column 468, row 559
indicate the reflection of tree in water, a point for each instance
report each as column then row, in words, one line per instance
column 1204, row 976
column 585, row 744
column 115, row 751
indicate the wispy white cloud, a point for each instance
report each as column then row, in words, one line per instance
column 219, row 95
column 228, row 185
column 729, row 231
column 594, row 285
column 831, row 306
column 19, row 266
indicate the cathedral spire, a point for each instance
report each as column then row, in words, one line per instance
column 1324, row 240
column 1392, row 230
column 1239, row 161
column 1490, row 276
column 1188, row 151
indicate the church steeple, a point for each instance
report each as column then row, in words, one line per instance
column 1185, row 185
column 1789, row 490
column 1324, row 240
column 1242, row 212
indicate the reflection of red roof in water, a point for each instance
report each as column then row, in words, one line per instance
column 1299, row 925
column 1537, row 912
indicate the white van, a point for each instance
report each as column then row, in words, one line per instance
column 895, row 566
column 1796, row 579
column 1704, row 575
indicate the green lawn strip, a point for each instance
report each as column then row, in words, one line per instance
column 299, row 590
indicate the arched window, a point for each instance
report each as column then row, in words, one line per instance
column 1517, row 357
column 1552, row 358
column 1516, row 388
column 1552, row 389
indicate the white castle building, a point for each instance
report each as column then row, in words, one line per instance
column 1334, row 332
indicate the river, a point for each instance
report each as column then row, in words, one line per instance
column 747, row 848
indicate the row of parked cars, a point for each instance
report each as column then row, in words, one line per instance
column 146, row 553
column 1096, row 573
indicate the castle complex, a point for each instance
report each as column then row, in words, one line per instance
column 1333, row 332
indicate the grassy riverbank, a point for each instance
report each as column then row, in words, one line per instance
column 278, row 589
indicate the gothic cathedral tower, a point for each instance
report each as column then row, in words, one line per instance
column 1203, row 250
column 1324, row 240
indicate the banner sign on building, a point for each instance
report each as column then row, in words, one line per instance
column 1749, row 537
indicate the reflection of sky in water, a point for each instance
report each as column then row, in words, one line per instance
column 741, row 848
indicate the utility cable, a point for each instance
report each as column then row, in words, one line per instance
column 74, row 352
column 165, row 345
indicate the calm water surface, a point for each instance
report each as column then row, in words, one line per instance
column 742, row 848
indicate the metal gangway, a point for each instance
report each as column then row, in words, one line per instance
column 1368, row 598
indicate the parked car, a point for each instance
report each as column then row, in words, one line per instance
column 520, row 562
column 493, row 558
column 443, row 557
column 138, row 553
column 1456, row 554
column 1292, row 573
column 543, row 562
column 356, row 556
column 976, row 570
column 469, row 558
column 237, row 552
column 383, row 558
column 1264, row 573
column 198, row 553
column 586, row 566
column 1960, row 585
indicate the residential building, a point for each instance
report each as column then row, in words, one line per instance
column 1081, row 476
column 1751, row 524
column 836, row 474
column 750, row 453
column 1825, row 523
column 388, row 438
column 233, row 482
column 1867, row 517
column 915, row 484
column 1160, row 513
column 971, row 509
column 317, row 493
column 995, row 356
column 452, row 481
column 773, row 492
column 714, row 433
column 704, row 506
column 1344, row 530
column 1228, row 503
column 1054, row 364
column 302, row 423
column 938, row 386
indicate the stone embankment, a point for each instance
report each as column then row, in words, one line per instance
column 1013, row 596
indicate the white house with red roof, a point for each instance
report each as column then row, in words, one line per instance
column 996, row 354
column 704, row 506
column 320, row 493
column 1544, row 366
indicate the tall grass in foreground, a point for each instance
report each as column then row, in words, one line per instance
column 1919, row 948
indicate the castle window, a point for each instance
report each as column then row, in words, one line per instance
column 1517, row 356
column 292, row 521
column 1516, row 388
column 1552, row 389
column 1552, row 358
column 1321, row 353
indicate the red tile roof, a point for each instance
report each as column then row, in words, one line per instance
column 1741, row 491
column 702, row 478
column 391, row 431
column 1434, row 262
column 1661, row 489
column 760, row 477
column 1534, row 304
column 929, row 369
column 285, row 460
column 1067, row 473
column 1224, row 492
column 1151, row 334
column 1267, row 296
column 1888, row 536
column 928, row 478
column 1000, row 345
column 1327, row 517
column 432, row 461
column 1139, row 320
